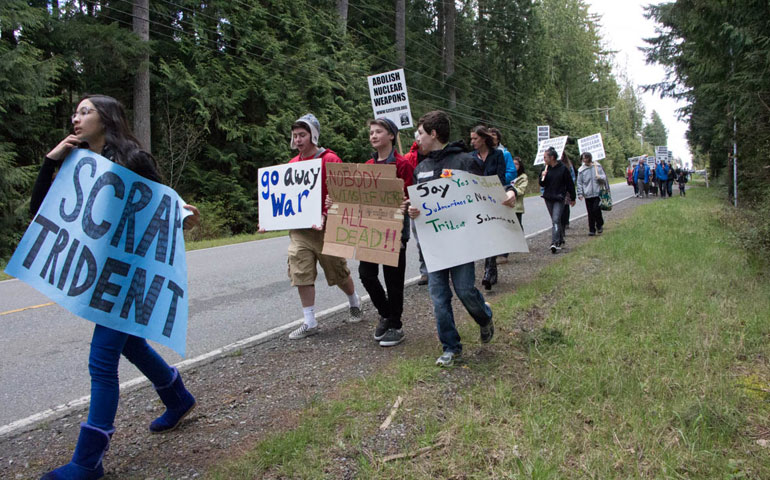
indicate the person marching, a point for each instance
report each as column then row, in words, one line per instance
column 557, row 184
column 493, row 163
column 383, row 135
column 590, row 178
column 100, row 124
column 642, row 179
column 433, row 129
column 520, row 188
column 306, row 244
column 681, row 180
column 510, row 171
column 661, row 177
column 565, row 215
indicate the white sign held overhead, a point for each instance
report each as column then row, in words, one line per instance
column 543, row 133
column 558, row 143
column 592, row 144
column 389, row 97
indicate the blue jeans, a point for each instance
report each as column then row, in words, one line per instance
column 464, row 280
column 106, row 347
column 555, row 209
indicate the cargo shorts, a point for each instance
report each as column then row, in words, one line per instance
column 304, row 251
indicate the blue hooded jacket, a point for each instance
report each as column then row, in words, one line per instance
column 661, row 172
column 646, row 173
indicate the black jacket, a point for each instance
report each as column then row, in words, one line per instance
column 557, row 183
column 494, row 164
column 453, row 156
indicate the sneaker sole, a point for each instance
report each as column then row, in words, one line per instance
column 304, row 335
column 391, row 343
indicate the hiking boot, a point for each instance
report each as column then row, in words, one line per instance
column 303, row 331
column 447, row 359
column 423, row 280
column 382, row 329
column 392, row 337
column 354, row 316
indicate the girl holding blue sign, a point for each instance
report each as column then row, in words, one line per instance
column 100, row 124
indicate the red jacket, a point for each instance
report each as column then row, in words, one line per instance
column 327, row 156
column 411, row 156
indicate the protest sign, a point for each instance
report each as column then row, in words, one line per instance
column 107, row 245
column 661, row 153
column 543, row 133
column 365, row 221
column 389, row 97
column 558, row 143
column 462, row 219
column 290, row 195
column 592, row 144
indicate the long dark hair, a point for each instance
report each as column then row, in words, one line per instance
column 520, row 168
column 124, row 147
column 482, row 131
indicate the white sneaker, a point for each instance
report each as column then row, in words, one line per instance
column 354, row 315
column 303, row 331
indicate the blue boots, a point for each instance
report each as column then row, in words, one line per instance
column 86, row 462
column 179, row 402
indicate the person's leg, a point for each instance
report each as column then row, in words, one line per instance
column 591, row 217
column 441, row 295
column 369, row 274
column 463, row 280
column 598, row 215
column 166, row 380
column 565, row 217
column 558, row 207
column 394, row 282
column 520, row 215
column 106, row 347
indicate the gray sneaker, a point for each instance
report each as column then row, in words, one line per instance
column 392, row 337
column 447, row 359
column 303, row 331
column 381, row 330
column 354, row 316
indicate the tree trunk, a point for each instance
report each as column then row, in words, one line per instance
column 342, row 11
column 401, row 33
column 450, row 15
column 142, row 79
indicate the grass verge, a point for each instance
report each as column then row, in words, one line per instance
column 642, row 354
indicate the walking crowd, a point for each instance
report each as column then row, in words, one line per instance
column 100, row 124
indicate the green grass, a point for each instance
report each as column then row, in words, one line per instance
column 641, row 354
column 231, row 240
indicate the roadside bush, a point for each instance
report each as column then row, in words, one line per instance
column 212, row 224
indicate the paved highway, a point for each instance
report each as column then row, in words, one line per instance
column 236, row 291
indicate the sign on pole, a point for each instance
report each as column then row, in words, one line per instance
column 389, row 97
column 558, row 143
column 661, row 153
column 543, row 133
column 462, row 219
column 365, row 221
column 290, row 195
column 107, row 245
column 592, row 144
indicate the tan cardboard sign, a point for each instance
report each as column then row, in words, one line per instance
column 365, row 221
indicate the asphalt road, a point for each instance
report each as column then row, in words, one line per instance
column 236, row 291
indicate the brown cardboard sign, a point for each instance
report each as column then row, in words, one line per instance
column 365, row 221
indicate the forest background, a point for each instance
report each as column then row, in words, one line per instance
column 217, row 84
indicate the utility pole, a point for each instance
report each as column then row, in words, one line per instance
column 142, row 80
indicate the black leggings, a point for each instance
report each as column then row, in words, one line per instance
column 389, row 306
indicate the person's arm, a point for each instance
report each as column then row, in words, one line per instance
column 501, row 167
column 580, row 185
column 570, row 187
column 42, row 185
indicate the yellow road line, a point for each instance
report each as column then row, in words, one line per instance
column 27, row 308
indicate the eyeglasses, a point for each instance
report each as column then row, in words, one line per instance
column 83, row 111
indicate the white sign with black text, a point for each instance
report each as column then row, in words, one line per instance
column 557, row 143
column 389, row 97
column 592, row 144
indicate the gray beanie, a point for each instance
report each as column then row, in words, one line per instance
column 313, row 124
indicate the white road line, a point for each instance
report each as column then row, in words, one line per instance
column 63, row 409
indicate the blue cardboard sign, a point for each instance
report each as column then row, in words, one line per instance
column 107, row 245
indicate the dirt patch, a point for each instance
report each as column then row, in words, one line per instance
column 263, row 389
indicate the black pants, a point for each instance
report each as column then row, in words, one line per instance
column 595, row 219
column 389, row 306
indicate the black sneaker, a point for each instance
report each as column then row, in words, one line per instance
column 423, row 280
column 591, row 234
column 553, row 248
column 487, row 332
column 392, row 337
column 382, row 328
column 600, row 230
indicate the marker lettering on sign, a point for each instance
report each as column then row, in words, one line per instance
column 425, row 190
column 356, row 178
column 439, row 226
